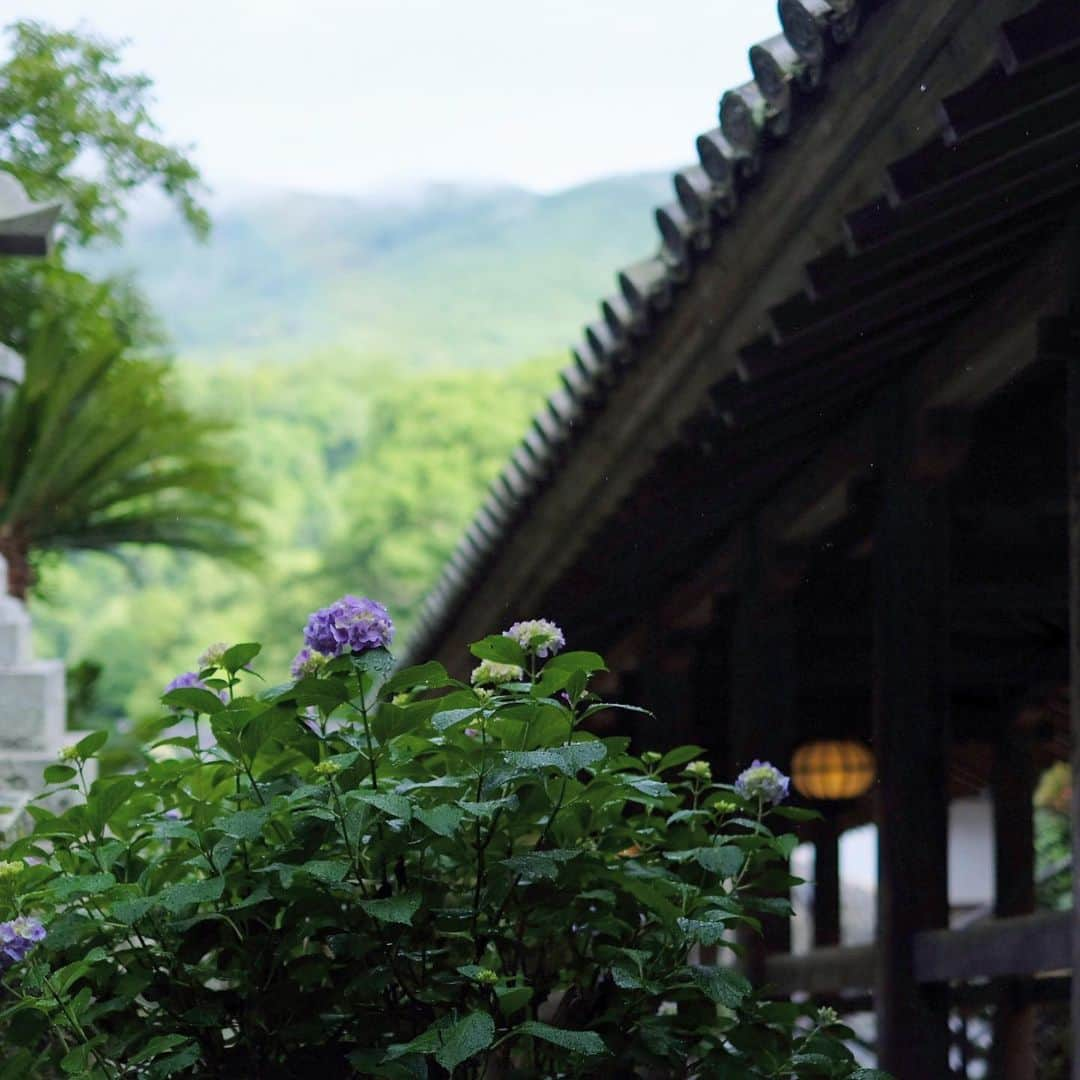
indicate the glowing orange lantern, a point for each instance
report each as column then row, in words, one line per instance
column 832, row 769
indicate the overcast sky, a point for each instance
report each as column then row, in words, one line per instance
column 355, row 95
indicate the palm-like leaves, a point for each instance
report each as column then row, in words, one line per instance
column 96, row 451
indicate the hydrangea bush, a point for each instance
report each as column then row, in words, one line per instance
column 370, row 872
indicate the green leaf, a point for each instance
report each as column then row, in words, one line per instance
column 502, row 650
column 88, row 746
column 679, row 756
column 795, row 813
column 129, row 911
column 58, row 774
column 158, row 1045
column 443, row 721
column 870, row 1074
column 240, row 655
column 704, row 932
column 195, row 698
column 329, row 871
column 569, row 760
column 785, row 845
column 394, row 805
column 175, row 1063
column 394, row 909
column 539, row 864
column 722, row 985
column 175, row 898
column 488, row 807
column 244, row 824
column 651, row 789
column 429, row 676
column 326, row 694
column 106, row 797
column 625, row 979
column 723, row 861
column 427, row 1042
column 576, row 661
column 25, row 1026
column 80, row 885
column 442, row 819
column 466, row 1038
column 513, row 999
column 376, row 662
column 76, row 1060
column 581, row 1042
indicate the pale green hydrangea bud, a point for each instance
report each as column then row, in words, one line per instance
column 492, row 673
column 9, row 870
column 212, row 655
column 486, row 977
column 327, row 768
column 651, row 757
column 699, row 770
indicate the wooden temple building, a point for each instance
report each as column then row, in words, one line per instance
column 814, row 473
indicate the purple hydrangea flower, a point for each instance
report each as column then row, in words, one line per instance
column 351, row 624
column 539, row 637
column 763, row 781
column 191, row 679
column 173, row 814
column 17, row 938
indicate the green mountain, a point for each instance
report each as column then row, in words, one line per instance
column 446, row 275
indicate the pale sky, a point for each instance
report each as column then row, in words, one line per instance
column 355, row 95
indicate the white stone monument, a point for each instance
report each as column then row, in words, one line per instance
column 33, row 709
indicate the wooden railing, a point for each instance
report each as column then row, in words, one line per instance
column 1024, row 945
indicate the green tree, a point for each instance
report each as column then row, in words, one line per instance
column 96, row 448
column 97, row 451
column 75, row 127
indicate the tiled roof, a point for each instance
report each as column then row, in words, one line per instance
column 958, row 215
column 788, row 75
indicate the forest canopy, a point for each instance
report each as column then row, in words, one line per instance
column 364, row 475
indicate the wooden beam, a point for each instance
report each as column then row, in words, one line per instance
column 822, row 971
column 910, row 741
column 1025, row 945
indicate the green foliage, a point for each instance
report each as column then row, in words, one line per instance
column 367, row 476
column 77, row 128
column 96, row 451
column 353, row 889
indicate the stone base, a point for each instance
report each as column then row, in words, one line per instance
column 32, row 707
column 21, row 779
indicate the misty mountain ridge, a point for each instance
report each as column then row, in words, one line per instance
column 439, row 274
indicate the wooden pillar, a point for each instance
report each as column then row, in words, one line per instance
column 1072, row 326
column 763, row 689
column 911, row 742
column 1013, row 783
column 827, row 883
